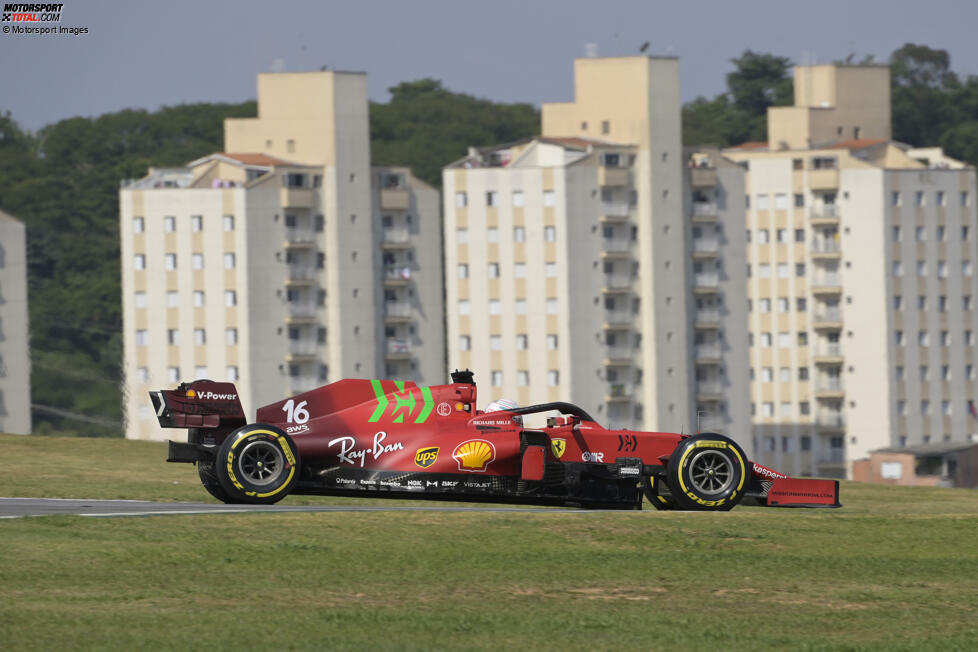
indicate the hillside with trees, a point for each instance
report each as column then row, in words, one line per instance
column 63, row 183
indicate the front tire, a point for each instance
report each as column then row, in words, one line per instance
column 654, row 490
column 257, row 464
column 707, row 472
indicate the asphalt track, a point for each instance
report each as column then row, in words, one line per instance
column 19, row 507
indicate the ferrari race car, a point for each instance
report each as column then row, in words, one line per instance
column 389, row 438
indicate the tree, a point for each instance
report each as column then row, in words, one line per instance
column 922, row 87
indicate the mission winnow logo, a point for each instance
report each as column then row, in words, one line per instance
column 32, row 13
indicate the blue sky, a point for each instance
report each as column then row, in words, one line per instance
column 153, row 54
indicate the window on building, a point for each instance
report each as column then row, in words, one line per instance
column 783, row 304
column 230, row 336
column 941, row 269
column 549, row 198
column 549, row 234
column 173, row 337
column 801, row 304
column 496, row 378
column 767, row 374
column 966, row 302
column 780, row 202
column 523, row 378
column 965, row 198
column 492, row 270
column 901, row 408
column 139, row 299
column 921, row 233
column 519, row 270
column 492, row 198
column 521, row 306
column 138, row 225
column 925, row 407
column 764, row 270
column 142, row 337
column 463, row 271
column 170, row 262
column 763, row 202
column 518, row 198
column 519, row 234
column 495, row 307
column 802, row 338
column 522, row 342
column 495, row 342
column 461, row 199
column 230, row 298
column 784, row 271
column 969, row 372
column 229, row 261
column 942, row 303
column 764, row 305
column 551, row 306
column 172, row 299
column 923, row 338
column 196, row 223
column 462, row 236
column 173, row 374
column 966, row 269
column 898, row 338
column 797, row 164
column 965, row 233
column 197, row 261
column 899, row 373
column 969, row 339
column 784, row 340
column 766, row 340
column 231, row 373
column 898, row 302
column 939, row 198
column 605, row 126
column 492, row 234
column 921, row 302
column 139, row 262
column 200, row 336
column 550, row 270
column 940, row 234
column 464, row 308
column 918, row 198
column 553, row 378
column 921, row 268
column 228, row 222
column 762, row 236
column 169, row 224
column 767, row 410
column 464, row 343
column 924, row 372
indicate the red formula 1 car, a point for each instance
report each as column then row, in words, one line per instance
column 383, row 438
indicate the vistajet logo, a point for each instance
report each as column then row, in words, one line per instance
column 31, row 13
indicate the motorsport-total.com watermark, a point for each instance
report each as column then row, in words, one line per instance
column 36, row 19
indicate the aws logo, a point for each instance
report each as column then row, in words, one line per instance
column 425, row 457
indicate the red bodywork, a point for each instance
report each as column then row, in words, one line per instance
column 368, row 435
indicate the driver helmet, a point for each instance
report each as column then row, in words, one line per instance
column 504, row 404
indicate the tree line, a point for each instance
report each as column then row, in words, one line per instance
column 63, row 183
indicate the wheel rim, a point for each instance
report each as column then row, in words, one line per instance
column 261, row 463
column 710, row 472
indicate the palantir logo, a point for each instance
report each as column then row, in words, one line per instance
column 32, row 12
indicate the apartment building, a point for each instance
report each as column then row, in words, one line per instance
column 862, row 286
column 284, row 263
column 587, row 264
column 15, row 363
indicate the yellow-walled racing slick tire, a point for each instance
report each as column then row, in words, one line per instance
column 257, row 464
column 657, row 491
column 208, row 477
column 707, row 472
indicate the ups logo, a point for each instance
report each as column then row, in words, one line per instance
column 425, row 457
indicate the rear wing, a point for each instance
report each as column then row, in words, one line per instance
column 200, row 404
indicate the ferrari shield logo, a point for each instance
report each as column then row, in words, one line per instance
column 558, row 446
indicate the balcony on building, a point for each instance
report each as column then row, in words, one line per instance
column 704, row 211
column 619, row 318
column 296, row 191
column 397, row 311
column 824, row 214
column 706, row 247
column 619, row 392
column 398, row 349
column 830, row 420
column 708, row 353
column 620, row 356
column 617, row 247
column 302, row 349
column 300, row 311
column 299, row 237
column 828, row 353
column 618, row 283
column 702, row 176
column 823, row 173
column 300, row 275
column 826, row 282
column 832, row 457
column 827, row 317
column 396, row 275
column 829, row 388
column 826, row 247
column 396, row 237
column 613, row 170
column 394, row 192
column 706, row 282
column 707, row 318
column 709, row 390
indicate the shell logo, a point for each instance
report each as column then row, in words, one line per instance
column 474, row 455
column 191, row 393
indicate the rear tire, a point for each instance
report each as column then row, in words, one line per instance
column 707, row 472
column 257, row 464
column 208, row 478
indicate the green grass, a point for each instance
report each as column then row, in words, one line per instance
column 894, row 569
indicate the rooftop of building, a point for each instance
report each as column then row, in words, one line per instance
column 879, row 152
column 936, row 448
column 517, row 153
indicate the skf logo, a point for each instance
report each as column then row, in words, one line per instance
column 474, row 455
column 425, row 457
column 558, row 446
